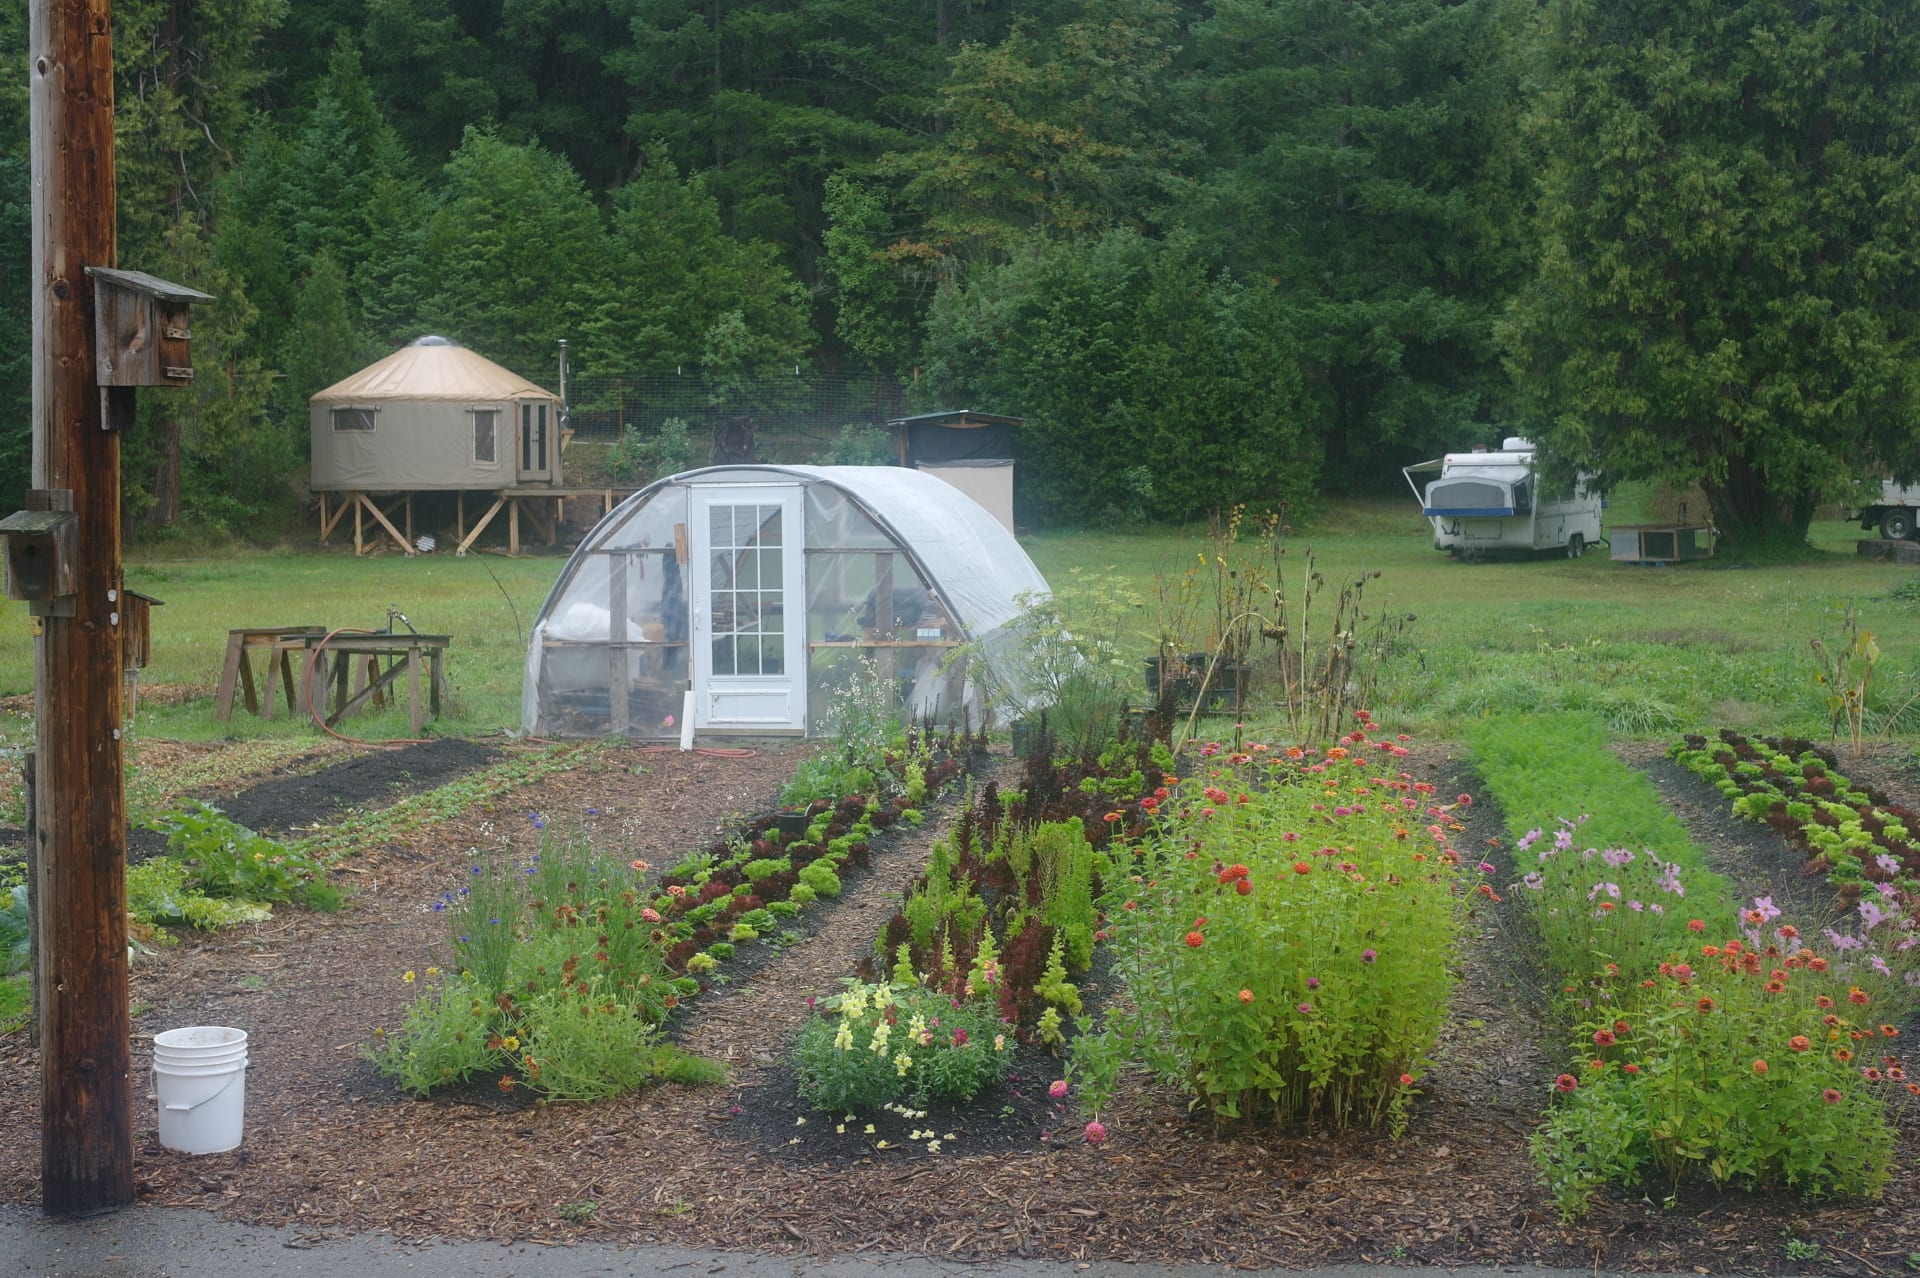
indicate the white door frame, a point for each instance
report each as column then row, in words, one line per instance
column 749, row 640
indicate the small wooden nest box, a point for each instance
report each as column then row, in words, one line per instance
column 136, row 628
column 141, row 329
column 41, row 550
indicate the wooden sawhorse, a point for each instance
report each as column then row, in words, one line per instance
column 279, row 644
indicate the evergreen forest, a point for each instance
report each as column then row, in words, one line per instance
column 1240, row 251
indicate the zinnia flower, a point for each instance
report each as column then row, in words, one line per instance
column 1195, row 940
column 1565, row 1083
column 1831, row 1095
column 1096, row 1132
column 1057, row 1088
column 1799, row 1042
column 1603, row 1038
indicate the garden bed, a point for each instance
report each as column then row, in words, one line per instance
column 331, row 1147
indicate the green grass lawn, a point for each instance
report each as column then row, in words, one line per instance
column 1651, row 650
column 486, row 602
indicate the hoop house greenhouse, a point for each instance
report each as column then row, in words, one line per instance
column 765, row 591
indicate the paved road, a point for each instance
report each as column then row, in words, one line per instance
column 177, row 1243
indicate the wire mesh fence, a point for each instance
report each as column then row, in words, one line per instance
column 779, row 419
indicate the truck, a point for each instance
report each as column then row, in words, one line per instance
column 1488, row 501
column 1896, row 514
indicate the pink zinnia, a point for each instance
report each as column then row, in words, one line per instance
column 1057, row 1088
column 1096, row 1132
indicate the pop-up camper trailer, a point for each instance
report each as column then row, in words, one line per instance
column 1489, row 502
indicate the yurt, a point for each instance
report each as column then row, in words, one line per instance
column 765, row 591
column 433, row 415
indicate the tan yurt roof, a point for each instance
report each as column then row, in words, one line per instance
column 431, row 368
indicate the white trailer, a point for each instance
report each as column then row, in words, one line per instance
column 1896, row 514
column 1485, row 502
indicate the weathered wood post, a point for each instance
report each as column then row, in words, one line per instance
column 86, row 1157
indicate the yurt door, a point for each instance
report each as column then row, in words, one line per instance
column 536, row 461
column 749, row 606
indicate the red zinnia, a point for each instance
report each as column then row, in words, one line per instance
column 1695, row 925
column 1301, row 867
column 1243, row 887
column 1705, row 1005
column 1831, row 1095
column 1195, row 940
column 1857, row 995
column 1759, row 1067
column 1603, row 1038
column 1799, row 1042
column 1630, row 1068
column 1565, row 1083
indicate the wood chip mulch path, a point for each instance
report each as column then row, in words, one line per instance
column 331, row 1148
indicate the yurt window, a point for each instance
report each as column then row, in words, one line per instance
column 486, row 427
column 353, row 418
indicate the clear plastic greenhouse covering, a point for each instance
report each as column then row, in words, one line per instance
column 698, row 583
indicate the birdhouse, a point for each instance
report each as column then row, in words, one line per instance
column 41, row 552
column 136, row 628
column 141, row 329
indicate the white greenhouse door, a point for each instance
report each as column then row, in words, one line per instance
column 749, row 608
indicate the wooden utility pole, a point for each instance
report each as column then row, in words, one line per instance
column 80, row 850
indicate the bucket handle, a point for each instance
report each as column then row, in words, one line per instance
column 204, row 1099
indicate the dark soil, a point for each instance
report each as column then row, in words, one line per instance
column 307, row 799
column 332, row 1148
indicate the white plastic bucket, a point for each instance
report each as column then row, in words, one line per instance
column 200, row 1079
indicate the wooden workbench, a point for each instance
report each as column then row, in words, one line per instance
column 359, row 659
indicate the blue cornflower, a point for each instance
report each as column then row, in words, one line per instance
column 439, row 907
